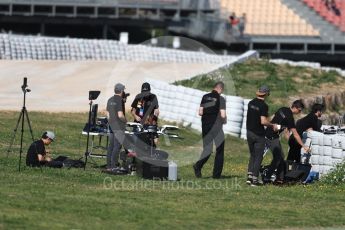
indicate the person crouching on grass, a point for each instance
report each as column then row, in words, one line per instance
column 37, row 154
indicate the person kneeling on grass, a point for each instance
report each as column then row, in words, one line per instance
column 38, row 156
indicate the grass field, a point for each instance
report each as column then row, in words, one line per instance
column 78, row 199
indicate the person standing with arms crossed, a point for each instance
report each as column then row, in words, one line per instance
column 213, row 115
column 257, row 119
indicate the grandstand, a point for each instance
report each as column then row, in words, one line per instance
column 269, row 18
column 335, row 14
column 293, row 29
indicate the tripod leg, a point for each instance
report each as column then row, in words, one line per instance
column 14, row 133
column 29, row 124
column 21, row 141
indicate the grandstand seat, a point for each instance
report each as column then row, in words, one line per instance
column 327, row 14
column 268, row 17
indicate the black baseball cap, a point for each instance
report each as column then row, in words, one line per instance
column 145, row 87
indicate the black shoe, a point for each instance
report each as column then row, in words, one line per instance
column 278, row 182
column 197, row 172
column 267, row 180
column 249, row 181
column 256, row 184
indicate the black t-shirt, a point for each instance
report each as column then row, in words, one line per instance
column 283, row 117
column 144, row 104
column 256, row 109
column 212, row 104
column 307, row 122
column 35, row 148
column 114, row 105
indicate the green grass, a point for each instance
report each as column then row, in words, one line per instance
column 78, row 199
column 284, row 81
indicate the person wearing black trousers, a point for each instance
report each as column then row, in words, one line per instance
column 257, row 119
column 213, row 115
column 284, row 118
column 307, row 123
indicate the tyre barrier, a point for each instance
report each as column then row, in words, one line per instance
column 326, row 150
column 185, row 111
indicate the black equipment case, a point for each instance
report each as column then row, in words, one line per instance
column 150, row 168
column 297, row 171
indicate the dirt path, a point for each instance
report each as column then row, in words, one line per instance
column 64, row 85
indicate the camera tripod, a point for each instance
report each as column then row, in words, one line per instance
column 23, row 114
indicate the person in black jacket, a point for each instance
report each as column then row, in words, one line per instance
column 309, row 122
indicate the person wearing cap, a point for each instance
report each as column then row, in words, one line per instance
column 257, row 120
column 307, row 123
column 213, row 115
column 37, row 154
column 117, row 123
column 284, row 118
column 145, row 108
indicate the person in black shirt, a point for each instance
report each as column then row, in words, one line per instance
column 257, row 114
column 213, row 116
column 37, row 154
column 145, row 109
column 284, row 118
column 309, row 122
column 117, row 122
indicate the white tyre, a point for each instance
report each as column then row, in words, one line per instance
column 232, row 111
column 327, row 160
column 315, row 149
column 198, row 93
column 314, row 159
column 336, row 142
column 321, row 140
column 246, row 101
column 327, row 140
column 343, row 142
column 337, row 153
column 233, row 124
column 234, row 105
column 314, row 136
column 234, row 118
column 234, row 99
column 232, row 130
column 327, row 151
column 321, row 152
